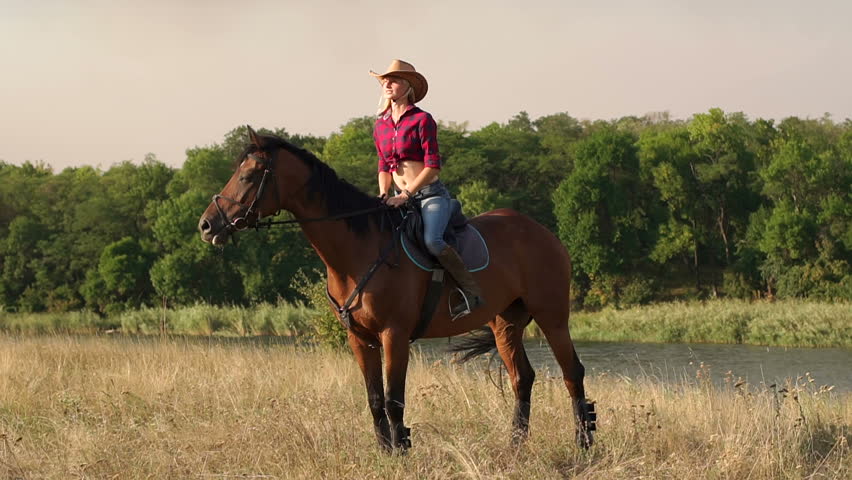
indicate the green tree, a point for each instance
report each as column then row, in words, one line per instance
column 19, row 259
column 724, row 173
column 477, row 197
column 121, row 278
column 352, row 153
column 667, row 161
column 601, row 211
column 805, row 232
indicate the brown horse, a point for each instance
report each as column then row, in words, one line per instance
column 528, row 278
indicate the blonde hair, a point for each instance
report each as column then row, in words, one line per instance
column 385, row 103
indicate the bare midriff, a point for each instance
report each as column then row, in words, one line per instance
column 406, row 172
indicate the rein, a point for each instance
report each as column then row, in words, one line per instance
column 242, row 222
column 355, row 213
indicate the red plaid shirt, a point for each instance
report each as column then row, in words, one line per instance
column 413, row 137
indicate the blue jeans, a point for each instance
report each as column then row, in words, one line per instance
column 435, row 209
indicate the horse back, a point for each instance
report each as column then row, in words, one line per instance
column 522, row 241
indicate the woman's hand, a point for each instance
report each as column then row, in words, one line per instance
column 398, row 200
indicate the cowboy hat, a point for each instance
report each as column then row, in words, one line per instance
column 405, row 70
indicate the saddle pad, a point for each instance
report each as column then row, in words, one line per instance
column 470, row 245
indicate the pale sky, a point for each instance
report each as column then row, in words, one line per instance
column 98, row 82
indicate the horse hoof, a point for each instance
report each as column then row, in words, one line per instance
column 585, row 440
column 402, row 442
column 385, row 446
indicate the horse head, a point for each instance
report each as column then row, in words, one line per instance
column 253, row 192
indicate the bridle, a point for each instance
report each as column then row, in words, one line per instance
column 241, row 222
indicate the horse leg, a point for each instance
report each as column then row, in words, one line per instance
column 508, row 330
column 555, row 328
column 396, row 366
column 370, row 361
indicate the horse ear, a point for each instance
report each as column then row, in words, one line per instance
column 253, row 137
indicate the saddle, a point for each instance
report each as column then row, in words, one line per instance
column 460, row 235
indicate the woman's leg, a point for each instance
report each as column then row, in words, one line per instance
column 436, row 214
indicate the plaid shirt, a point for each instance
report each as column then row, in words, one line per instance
column 414, row 137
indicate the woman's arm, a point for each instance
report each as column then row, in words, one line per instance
column 425, row 177
column 428, row 131
column 385, row 177
column 385, row 181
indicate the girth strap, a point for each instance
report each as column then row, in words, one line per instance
column 430, row 302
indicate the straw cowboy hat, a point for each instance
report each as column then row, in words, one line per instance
column 401, row 69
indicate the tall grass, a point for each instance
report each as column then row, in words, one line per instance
column 90, row 407
column 783, row 323
column 265, row 319
column 65, row 322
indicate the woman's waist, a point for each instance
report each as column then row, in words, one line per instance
column 432, row 189
column 406, row 172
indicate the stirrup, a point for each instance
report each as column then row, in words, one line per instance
column 466, row 304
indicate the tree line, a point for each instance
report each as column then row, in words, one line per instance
column 650, row 208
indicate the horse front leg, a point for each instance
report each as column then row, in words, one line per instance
column 396, row 368
column 370, row 361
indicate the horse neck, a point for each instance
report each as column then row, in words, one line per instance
column 342, row 250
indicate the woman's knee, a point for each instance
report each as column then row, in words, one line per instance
column 435, row 245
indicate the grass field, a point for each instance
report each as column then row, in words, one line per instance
column 95, row 407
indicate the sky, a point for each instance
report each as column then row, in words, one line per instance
column 99, row 82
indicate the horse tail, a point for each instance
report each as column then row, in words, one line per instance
column 474, row 345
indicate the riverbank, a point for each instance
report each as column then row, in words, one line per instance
column 783, row 323
column 788, row 323
column 169, row 408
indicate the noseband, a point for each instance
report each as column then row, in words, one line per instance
column 241, row 222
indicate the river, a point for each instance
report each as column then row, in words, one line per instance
column 675, row 362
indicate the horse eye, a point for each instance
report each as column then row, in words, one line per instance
column 248, row 177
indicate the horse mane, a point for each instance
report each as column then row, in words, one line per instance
column 339, row 195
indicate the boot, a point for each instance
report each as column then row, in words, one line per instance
column 452, row 262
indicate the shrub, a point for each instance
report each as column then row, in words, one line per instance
column 324, row 328
column 637, row 291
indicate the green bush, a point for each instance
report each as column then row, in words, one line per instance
column 325, row 328
column 637, row 291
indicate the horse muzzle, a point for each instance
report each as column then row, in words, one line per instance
column 213, row 231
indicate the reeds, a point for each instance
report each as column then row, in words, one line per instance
column 783, row 323
column 90, row 407
column 264, row 319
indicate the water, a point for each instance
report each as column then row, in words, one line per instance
column 674, row 362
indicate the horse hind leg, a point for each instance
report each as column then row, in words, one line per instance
column 555, row 328
column 508, row 328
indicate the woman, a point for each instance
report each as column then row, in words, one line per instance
column 407, row 143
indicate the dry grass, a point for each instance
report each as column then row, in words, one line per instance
column 92, row 407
